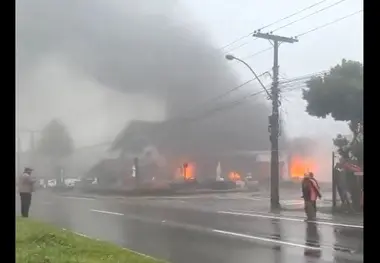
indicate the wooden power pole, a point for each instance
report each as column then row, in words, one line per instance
column 274, row 126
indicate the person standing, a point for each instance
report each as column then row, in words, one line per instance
column 315, row 190
column 310, row 193
column 25, row 188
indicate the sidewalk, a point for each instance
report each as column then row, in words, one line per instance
column 324, row 211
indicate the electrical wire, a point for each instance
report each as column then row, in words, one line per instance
column 287, row 85
column 303, row 78
column 273, row 23
column 237, row 103
column 328, row 24
column 225, row 107
column 285, row 89
column 314, row 13
column 309, row 31
column 214, row 99
column 293, row 22
column 258, row 53
column 188, row 120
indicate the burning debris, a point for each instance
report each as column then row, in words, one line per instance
column 234, row 176
column 299, row 165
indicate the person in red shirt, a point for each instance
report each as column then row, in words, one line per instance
column 310, row 194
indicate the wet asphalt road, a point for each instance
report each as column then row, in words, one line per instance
column 218, row 228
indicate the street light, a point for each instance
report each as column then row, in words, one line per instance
column 273, row 129
column 231, row 57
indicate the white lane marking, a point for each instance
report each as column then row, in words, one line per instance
column 138, row 253
column 275, row 241
column 241, row 198
column 77, row 233
column 289, row 219
column 106, row 212
column 216, row 231
column 83, row 235
column 245, row 237
column 292, row 202
column 79, row 198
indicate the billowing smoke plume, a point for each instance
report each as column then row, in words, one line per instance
column 144, row 49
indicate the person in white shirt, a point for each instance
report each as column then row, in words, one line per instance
column 26, row 188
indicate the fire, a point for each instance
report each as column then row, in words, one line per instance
column 189, row 172
column 301, row 165
column 234, row 176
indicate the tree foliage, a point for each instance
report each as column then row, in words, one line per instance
column 56, row 141
column 339, row 94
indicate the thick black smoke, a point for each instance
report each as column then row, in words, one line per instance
column 138, row 47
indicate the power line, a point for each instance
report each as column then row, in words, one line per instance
column 267, row 49
column 211, row 100
column 285, row 89
column 227, row 106
column 258, row 53
column 237, row 103
column 293, row 22
column 296, row 13
column 309, row 31
column 314, row 13
column 275, row 22
column 286, row 86
column 330, row 23
column 302, row 78
column 241, row 45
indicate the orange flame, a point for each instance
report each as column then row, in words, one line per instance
column 234, row 176
column 189, row 172
column 300, row 165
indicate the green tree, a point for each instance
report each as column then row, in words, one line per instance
column 55, row 141
column 339, row 94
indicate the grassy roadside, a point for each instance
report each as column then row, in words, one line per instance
column 40, row 243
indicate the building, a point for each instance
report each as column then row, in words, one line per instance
column 202, row 147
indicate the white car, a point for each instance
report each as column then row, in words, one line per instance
column 52, row 183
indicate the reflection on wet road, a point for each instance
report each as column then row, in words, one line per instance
column 187, row 234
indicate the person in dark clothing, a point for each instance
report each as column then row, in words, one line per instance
column 25, row 188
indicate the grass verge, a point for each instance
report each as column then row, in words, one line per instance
column 41, row 243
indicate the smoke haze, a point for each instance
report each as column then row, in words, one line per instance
column 98, row 64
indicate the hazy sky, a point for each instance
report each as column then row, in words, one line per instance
column 95, row 113
column 314, row 52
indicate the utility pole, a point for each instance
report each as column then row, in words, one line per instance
column 333, row 181
column 274, row 127
column 19, row 150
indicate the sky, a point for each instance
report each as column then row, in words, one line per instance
column 315, row 52
column 53, row 84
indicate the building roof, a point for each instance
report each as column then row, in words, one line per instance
column 186, row 138
column 136, row 134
